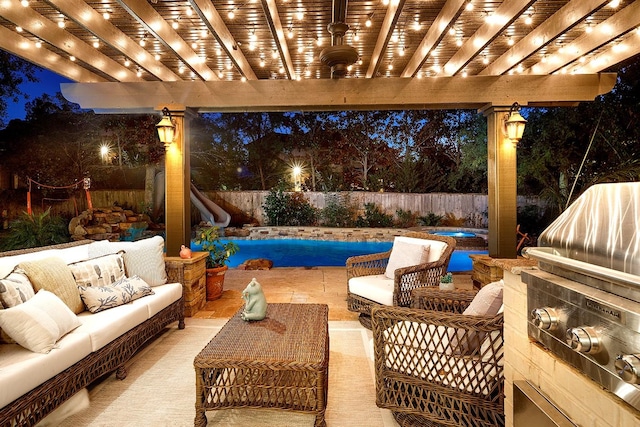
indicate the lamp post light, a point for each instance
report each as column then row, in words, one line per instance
column 297, row 172
column 104, row 153
column 514, row 124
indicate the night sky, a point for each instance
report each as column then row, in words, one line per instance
column 49, row 83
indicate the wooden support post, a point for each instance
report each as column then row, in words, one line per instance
column 177, row 185
column 502, row 176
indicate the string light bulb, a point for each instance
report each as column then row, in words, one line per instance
column 106, row 16
column 368, row 22
column 231, row 14
column 127, row 62
column 96, row 44
column 19, row 29
column 25, row 3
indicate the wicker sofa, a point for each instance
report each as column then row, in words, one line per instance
column 33, row 384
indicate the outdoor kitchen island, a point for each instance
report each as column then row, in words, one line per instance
column 572, row 324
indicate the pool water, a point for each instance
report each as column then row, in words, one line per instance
column 454, row 233
column 321, row 253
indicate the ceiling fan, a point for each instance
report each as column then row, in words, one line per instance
column 338, row 56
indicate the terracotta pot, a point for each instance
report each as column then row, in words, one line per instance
column 215, row 282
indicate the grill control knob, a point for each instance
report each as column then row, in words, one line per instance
column 583, row 339
column 628, row 367
column 545, row 318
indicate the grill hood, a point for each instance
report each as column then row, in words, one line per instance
column 601, row 227
column 596, row 241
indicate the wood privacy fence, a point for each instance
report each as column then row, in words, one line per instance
column 472, row 207
column 247, row 205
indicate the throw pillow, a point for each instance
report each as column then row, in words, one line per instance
column 15, row 289
column 144, row 258
column 486, row 303
column 39, row 323
column 100, row 298
column 100, row 271
column 405, row 254
column 54, row 275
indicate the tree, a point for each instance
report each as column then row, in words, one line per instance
column 13, row 72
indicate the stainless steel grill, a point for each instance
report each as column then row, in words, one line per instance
column 585, row 299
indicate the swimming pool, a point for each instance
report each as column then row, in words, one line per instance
column 322, row 253
column 454, row 233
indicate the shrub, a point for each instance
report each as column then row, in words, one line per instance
column 32, row 231
column 283, row 209
column 338, row 211
column 450, row 220
column 374, row 217
column 406, row 219
column 430, row 220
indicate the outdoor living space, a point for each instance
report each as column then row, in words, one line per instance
column 318, row 285
column 167, row 362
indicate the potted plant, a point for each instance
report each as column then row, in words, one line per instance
column 446, row 282
column 219, row 253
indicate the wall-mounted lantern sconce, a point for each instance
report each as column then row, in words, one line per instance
column 514, row 124
column 166, row 128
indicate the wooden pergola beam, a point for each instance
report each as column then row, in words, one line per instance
column 473, row 92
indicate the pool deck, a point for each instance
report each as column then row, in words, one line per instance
column 324, row 285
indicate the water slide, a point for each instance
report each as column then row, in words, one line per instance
column 209, row 211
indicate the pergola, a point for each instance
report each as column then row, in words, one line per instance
column 193, row 56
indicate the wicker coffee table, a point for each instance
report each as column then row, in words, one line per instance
column 279, row 362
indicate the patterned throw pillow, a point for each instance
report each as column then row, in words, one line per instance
column 100, row 271
column 54, row 275
column 15, row 289
column 100, row 298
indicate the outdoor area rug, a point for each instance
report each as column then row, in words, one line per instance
column 160, row 387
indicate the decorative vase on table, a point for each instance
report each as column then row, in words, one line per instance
column 219, row 253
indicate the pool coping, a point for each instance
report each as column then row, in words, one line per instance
column 360, row 234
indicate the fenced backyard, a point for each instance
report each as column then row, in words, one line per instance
column 247, row 206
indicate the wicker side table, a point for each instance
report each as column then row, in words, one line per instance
column 279, row 362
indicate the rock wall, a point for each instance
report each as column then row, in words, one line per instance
column 113, row 223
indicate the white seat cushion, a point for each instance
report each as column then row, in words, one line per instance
column 22, row 370
column 378, row 288
column 105, row 326
column 163, row 296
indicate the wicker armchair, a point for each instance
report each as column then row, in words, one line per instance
column 428, row 370
column 406, row 279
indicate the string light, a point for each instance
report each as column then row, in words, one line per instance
column 143, row 41
column 274, row 54
column 19, row 29
column 368, row 22
column 300, row 15
column 231, row 14
column 157, row 57
column 25, row 3
column 106, row 16
column 61, row 23
column 96, row 44
column 72, row 58
column 38, row 44
column 127, row 62
column 469, row 6
column 175, row 24
column 416, row 23
column 262, row 62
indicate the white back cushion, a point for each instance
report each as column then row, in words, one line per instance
column 436, row 247
column 406, row 254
